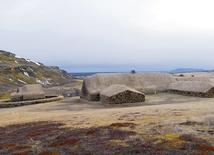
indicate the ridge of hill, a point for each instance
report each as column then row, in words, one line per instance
column 185, row 70
column 16, row 71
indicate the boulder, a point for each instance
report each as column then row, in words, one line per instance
column 28, row 92
column 118, row 94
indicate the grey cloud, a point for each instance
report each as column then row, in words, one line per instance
column 95, row 34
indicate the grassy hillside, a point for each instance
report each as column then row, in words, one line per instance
column 16, row 71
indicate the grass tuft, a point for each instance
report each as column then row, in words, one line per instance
column 208, row 120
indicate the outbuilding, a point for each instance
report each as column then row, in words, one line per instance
column 192, row 88
column 28, row 92
column 117, row 94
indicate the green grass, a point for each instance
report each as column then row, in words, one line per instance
column 5, row 95
column 78, row 83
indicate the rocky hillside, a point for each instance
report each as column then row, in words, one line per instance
column 16, row 71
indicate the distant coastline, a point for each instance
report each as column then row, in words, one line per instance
column 179, row 70
column 79, row 74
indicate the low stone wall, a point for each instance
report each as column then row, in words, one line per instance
column 195, row 94
column 8, row 104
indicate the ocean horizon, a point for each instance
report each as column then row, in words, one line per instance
column 179, row 70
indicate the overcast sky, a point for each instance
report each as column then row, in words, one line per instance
column 110, row 35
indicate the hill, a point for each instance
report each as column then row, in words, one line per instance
column 16, row 71
column 182, row 70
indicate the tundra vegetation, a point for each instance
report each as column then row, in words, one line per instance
column 163, row 124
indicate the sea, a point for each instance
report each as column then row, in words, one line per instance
column 87, row 73
column 82, row 74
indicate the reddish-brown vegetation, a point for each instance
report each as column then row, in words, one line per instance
column 90, row 132
column 51, row 138
column 206, row 148
column 22, row 147
column 10, row 145
column 48, row 153
column 37, row 133
column 21, row 153
column 64, row 142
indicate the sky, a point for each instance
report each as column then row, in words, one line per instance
column 110, row 35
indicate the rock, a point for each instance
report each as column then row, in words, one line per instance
column 28, row 92
column 121, row 94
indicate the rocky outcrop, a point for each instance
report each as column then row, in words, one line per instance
column 117, row 94
column 28, row 92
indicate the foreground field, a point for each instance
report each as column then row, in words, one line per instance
column 164, row 124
